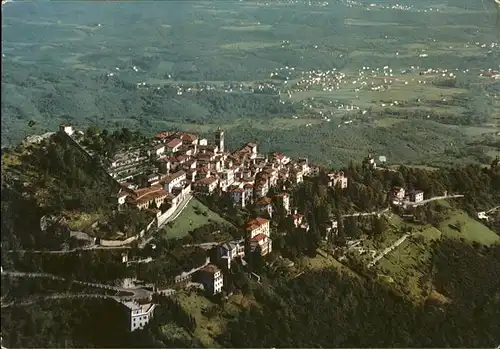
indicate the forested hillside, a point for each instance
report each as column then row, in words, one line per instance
column 324, row 309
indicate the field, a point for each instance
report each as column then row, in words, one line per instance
column 195, row 215
column 408, row 267
column 470, row 230
column 89, row 63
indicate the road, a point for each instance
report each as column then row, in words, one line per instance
column 492, row 210
column 423, row 202
column 137, row 293
column 93, row 247
column 60, row 296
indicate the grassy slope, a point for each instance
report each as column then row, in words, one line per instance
column 408, row 266
column 189, row 220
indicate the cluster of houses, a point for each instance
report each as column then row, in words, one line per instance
column 161, row 176
column 399, row 196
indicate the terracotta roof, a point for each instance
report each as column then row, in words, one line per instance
column 263, row 201
column 278, row 156
column 237, row 190
column 210, row 268
column 248, row 186
column 256, row 223
column 144, row 195
column 189, row 137
column 259, row 237
column 174, row 143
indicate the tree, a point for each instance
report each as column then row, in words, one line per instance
column 126, row 136
column 91, row 131
column 162, row 167
column 379, row 227
column 351, row 227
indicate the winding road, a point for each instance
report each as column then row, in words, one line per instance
column 94, row 247
column 134, row 293
column 59, row 296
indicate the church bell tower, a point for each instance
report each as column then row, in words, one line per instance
column 219, row 139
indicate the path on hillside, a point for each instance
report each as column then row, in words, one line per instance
column 205, row 245
column 137, row 293
column 358, row 214
column 389, row 249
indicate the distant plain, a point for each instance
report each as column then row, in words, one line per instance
column 74, row 62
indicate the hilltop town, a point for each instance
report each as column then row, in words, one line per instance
column 286, row 217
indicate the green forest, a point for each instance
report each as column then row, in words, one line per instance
column 325, row 309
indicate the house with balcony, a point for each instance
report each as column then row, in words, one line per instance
column 261, row 244
column 257, row 226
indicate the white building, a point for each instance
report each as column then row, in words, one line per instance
column 230, row 251
column 66, row 129
column 417, row 196
column 211, row 278
column 139, row 314
column 397, row 195
column 174, row 180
